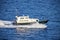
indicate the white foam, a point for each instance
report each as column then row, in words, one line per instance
column 8, row 24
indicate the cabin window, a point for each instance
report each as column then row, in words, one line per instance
column 21, row 18
column 26, row 18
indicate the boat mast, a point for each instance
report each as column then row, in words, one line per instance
column 17, row 12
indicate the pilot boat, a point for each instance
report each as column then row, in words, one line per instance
column 24, row 20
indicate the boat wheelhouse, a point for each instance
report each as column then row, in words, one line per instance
column 25, row 20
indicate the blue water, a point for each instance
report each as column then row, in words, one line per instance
column 41, row 9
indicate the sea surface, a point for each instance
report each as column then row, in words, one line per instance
column 41, row 9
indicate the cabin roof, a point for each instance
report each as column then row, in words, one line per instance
column 22, row 17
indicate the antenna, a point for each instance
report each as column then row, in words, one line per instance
column 16, row 9
column 16, row 12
